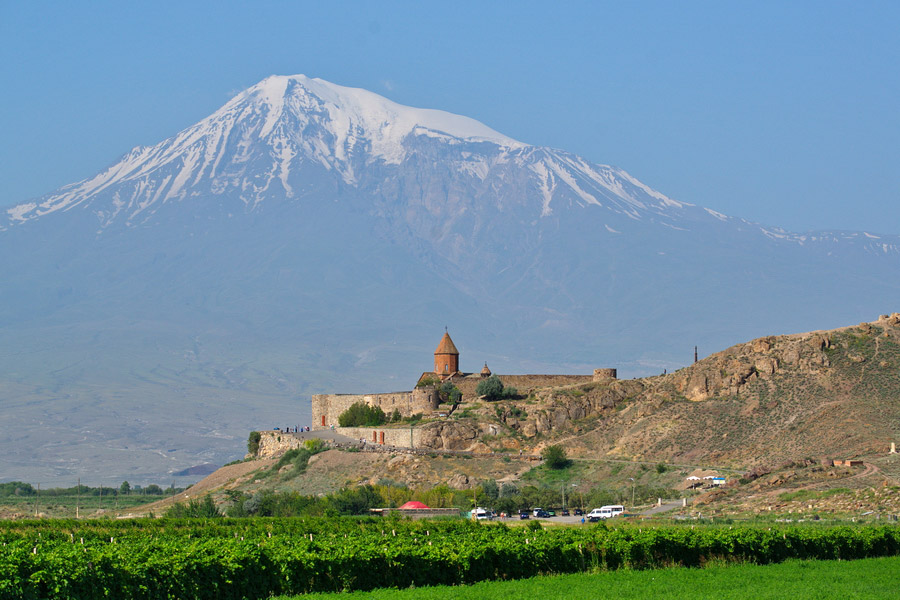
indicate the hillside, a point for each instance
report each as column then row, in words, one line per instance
column 771, row 414
column 778, row 398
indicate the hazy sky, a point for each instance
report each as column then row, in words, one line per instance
column 787, row 113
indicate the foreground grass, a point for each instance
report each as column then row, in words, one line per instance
column 871, row 578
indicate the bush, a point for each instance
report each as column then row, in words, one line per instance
column 253, row 442
column 555, row 457
column 491, row 388
column 201, row 510
column 362, row 415
column 314, row 446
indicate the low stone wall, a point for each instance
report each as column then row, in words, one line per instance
column 276, row 443
column 400, row 437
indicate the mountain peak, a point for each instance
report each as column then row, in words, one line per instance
column 356, row 114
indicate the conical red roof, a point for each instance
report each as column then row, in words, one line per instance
column 446, row 346
column 413, row 504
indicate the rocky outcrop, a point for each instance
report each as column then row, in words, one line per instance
column 275, row 443
column 450, row 435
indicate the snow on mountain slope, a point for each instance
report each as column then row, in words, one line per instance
column 287, row 135
column 255, row 145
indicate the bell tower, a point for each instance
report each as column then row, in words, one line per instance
column 446, row 358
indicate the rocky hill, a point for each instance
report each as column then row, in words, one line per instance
column 788, row 397
column 774, row 414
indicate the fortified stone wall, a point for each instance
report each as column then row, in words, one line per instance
column 523, row 383
column 326, row 408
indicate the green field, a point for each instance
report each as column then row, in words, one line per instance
column 222, row 558
column 870, row 578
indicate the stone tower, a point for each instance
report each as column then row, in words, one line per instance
column 446, row 358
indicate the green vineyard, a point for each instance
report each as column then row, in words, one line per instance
column 258, row 558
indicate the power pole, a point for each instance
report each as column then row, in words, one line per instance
column 77, row 497
column 36, row 499
column 695, row 353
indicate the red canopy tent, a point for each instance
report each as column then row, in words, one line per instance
column 412, row 504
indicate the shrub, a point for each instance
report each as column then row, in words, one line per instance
column 201, row 510
column 555, row 457
column 491, row 388
column 427, row 381
column 314, row 446
column 362, row 415
column 253, row 442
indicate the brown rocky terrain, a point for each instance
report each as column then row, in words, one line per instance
column 826, row 393
column 771, row 414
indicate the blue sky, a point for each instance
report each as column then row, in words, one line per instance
column 786, row 113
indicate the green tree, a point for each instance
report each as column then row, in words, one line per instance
column 491, row 388
column 449, row 393
column 555, row 457
column 361, row 414
column 125, row 488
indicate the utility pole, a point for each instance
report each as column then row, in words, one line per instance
column 632, row 492
column 77, row 497
column 36, row 499
column 695, row 353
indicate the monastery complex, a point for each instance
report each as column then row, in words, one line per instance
column 424, row 399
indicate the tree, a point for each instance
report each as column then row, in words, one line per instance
column 491, row 388
column 490, row 489
column 450, row 393
column 125, row 488
column 555, row 457
column 361, row 414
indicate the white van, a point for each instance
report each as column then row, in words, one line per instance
column 483, row 514
column 606, row 512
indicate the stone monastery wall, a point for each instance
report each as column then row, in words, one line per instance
column 326, row 408
column 523, row 383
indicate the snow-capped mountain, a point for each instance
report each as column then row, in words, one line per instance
column 309, row 237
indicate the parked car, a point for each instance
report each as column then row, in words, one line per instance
column 578, row 512
column 550, row 513
column 540, row 513
column 565, row 512
column 523, row 514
